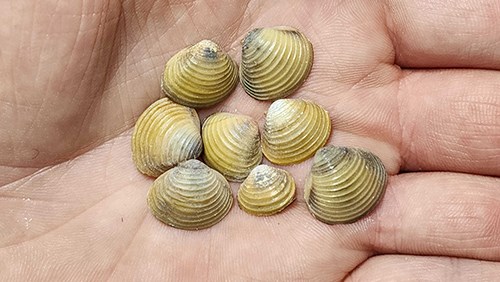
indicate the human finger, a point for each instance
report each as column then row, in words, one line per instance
column 444, row 34
column 448, row 214
column 450, row 120
column 424, row 268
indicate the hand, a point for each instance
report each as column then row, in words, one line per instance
column 415, row 83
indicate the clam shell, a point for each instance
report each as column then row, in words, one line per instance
column 165, row 134
column 232, row 144
column 266, row 191
column 200, row 76
column 294, row 129
column 275, row 62
column 190, row 196
column 344, row 184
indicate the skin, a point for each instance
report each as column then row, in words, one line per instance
column 415, row 82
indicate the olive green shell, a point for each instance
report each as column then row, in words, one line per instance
column 190, row 196
column 294, row 130
column 232, row 144
column 266, row 191
column 275, row 62
column 344, row 184
column 200, row 76
column 165, row 134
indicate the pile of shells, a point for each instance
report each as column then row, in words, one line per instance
column 344, row 183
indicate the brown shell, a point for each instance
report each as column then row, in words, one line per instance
column 165, row 134
column 294, row 130
column 232, row 144
column 200, row 76
column 266, row 191
column 190, row 196
column 275, row 62
column 344, row 184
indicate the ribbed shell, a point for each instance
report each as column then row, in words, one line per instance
column 190, row 196
column 275, row 62
column 294, row 129
column 266, row 191
column 344, row 184
column 165, row 134
column 200, row 76
column 232, row 144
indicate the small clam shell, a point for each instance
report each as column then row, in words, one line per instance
column 200, row 76
column 232, row 144
column 294, row 129
column 190, row 196
column 275, row 62
column 344, row 184
column 266, row 191
column 165, row 134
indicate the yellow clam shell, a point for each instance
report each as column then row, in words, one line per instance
column 266, row 191
column 344, row 184
column 232, row 144
column 275, row 62
column 200, row 76
column 165, row 134
column 190, row 196
column 293, row 130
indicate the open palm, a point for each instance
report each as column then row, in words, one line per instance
column 415, row 83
